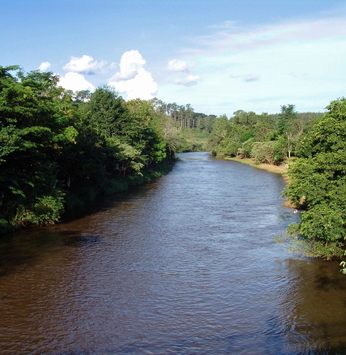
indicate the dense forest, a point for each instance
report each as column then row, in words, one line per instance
column 59, row 149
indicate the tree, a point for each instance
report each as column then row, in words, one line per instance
column 106, row 112
column 219, row 132
column 82, row 96
column 285, row 118
column 247, row 119
column 288, row 126
column 293, row 134
column 60, row 149
column 34, row 125
column 149, row 139
column 318, row 184
column 264, row 126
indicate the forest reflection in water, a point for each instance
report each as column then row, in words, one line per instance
column 184, row 265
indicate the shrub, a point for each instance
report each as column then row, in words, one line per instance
column 45, row 210
column 246, row 148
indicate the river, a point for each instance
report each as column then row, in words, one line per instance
column 186, row 264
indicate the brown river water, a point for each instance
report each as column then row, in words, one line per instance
column 186, row 264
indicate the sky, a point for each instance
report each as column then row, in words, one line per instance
column 219, row 56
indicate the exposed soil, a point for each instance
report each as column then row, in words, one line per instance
column 279, row 169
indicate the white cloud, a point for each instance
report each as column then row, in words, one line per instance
column 75, row 82
column 234, row 40
column 308, row 74
column 178, row 65
column 296, row 62
column 188, row 81
column 44, row 66
column 130, row 63
column 133, row 79
column 84, row 64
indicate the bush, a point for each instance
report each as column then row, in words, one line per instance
column 263, row 152
column 45, row 210
column 232, row 148
column 246, row 148
column 268, row 152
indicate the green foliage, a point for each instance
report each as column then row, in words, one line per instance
column 246, row 148
column 265, row 152
column 59, row 150
column 285, row 129
column 232, row 148
column 112, row 186
column 247, row 135
column 285, row 118
column 265, row 128
column 192, row 140
column 183, row 129
column 280, row 150
column 318, row 183
column 247, row 119
column 43, row 211
column 106, row 112
column 219, row 133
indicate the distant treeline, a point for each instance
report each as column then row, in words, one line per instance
column 268, row 138
column 185, row 116
column 60, row 149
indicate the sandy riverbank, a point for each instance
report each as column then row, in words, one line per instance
column 279, row 169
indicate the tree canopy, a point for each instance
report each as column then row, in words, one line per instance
column 268, row 138
column 318, row 184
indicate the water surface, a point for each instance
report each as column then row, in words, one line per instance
column 187, row 264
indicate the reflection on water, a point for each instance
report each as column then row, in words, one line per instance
column 317, row 317
column 184, row 265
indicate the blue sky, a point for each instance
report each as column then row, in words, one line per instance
column 217, row 55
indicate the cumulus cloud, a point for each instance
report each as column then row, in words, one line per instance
column 189, row 80
column 84, row 64
column 130, row 63
column 133, row 79
column 75, row 82
column 178, row 65
column 44, row 66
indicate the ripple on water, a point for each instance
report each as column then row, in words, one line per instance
column 185, row 265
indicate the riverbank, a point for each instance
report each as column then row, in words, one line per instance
column 81, row 202
column 278, row 169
